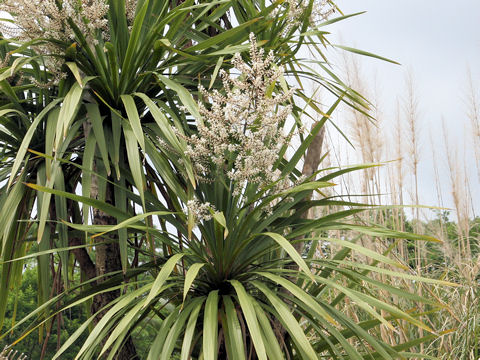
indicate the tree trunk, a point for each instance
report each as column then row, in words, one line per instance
column 310, row 165
column 107, row 260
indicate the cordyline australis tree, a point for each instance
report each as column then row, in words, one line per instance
column 179, row 205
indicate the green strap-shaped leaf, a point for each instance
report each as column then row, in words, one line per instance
column 289, row 321
column 105, row 207
column 27, row 138
column 354, row 329
column 391, row 309
column 398, row 274
column 134, row 119
column 67, row 113
column 121, row 203
column 359, row 300
column 133, row 45
column 235, row 335
column 184, row 95
column 219, row 217
column 47, row 195
column 364, row 53
column 122, row 327
column 157, row 345
column 122, row 303
column 170, row 136
column 134, row 160
column 75, row 71
column 215, row 71
column 210, row 327
column 114, row 144
column 9, row 252
column 61, row 213
column 285, row 244
column 367, row 252
column 162, row 276
column 16, row 65
column 50, row 129
column 162, row 122
column 43, row 261
column 246, row 303
column 306, row 143
column 190, row 278
column 72, row 338
column 8, row 211
column 174, row 333
column 134, row 219
column 88, row 156
column 97, row 124
column 299, row 294
column 271, row 342
column 190, row 331
column 212, row 41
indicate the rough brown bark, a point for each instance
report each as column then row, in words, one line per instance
column 310, row 165
column 107, row 260
column 81, row 256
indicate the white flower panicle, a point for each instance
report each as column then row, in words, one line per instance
column 200, row 211
column 242, row 132
column 321, row 11
column 49, row 19
column 130, row 8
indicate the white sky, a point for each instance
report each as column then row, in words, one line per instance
column 437, row 41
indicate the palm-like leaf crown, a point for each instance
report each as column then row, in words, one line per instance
column 209, row 209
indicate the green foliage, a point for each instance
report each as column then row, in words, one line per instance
column 21, row 302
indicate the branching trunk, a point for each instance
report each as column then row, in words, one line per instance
column 83, row 258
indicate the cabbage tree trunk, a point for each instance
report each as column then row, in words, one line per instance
column 107, row 260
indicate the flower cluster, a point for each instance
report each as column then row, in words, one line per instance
column 49, row 19
column 200, row 211
column 241, row 132
column 130, row 8
column 322, row 10
column 296, row 9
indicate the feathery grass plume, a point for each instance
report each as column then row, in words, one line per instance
column 460, row 199
column 474, row 116
column 440, row 231
column 368, row 135
column 397, row 175
column 241, row 131
column 398, row 154
column 366, row 129
column 411, row 112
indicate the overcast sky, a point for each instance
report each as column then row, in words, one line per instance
column 436, row 40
